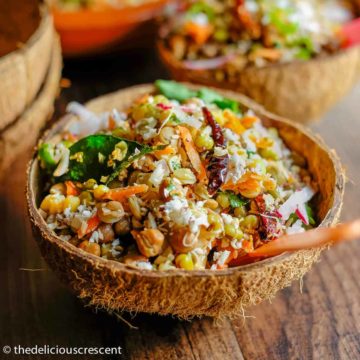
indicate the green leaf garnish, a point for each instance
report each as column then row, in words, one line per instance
column 176, row 91
column 85, row 161
column 100, row 156
column 250, row 152
column 235, row 200
column 280, row 18
column 225, row 103
column 303, row 54
column 209, row 96
column 201, row 7
column 310, row 214
column 292, row 219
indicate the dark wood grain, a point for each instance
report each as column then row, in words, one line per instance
column 320, row 320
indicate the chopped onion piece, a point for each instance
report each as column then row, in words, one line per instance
column 159, row 173
column 88, row 122
column 63, row 165
column 208, row 63
column 296, row 200
column 187, row 119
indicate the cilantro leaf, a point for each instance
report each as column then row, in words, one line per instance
column 250, row 152
column 310, row 214
column 235, row 200
column 292, row 219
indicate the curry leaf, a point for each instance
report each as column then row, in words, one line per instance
column 89, row 156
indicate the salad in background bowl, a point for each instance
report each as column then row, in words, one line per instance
column 263, row 49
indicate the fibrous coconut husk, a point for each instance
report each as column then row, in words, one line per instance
column 300, row 90
column 116, row 286
column 23, row 70
column 23, row 132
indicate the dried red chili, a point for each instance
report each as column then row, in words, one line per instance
column 217, row 167
column 217, row 170
column 269, row 220
column 217, row 134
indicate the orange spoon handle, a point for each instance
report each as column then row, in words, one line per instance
column 310, row 239
column 351, row 33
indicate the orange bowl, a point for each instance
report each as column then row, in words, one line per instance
column 91, row 30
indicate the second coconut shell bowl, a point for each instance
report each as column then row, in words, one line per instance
column 299, row 90
column 115, row 286
column 90, row 31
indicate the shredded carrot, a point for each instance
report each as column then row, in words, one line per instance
column 192, row 153
column 71, row 188
column 233, row 123
column 248, row 121
column 169, row 150
column 199, row 33
column 143, row 99
column 92, row 224
column 70, row 137
column 121, row 194
column 249, row 184
column 112, row 123
column 261, row 143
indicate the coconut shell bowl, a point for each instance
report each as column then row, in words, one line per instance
column 115, row 286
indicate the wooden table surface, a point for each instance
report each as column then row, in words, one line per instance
column 320, row 322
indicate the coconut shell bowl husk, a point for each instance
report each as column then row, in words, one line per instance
column 21, row 135
column 116, row 287
column 27, row 38
column 301, row 90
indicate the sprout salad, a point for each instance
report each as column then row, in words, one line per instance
column 183, row 179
